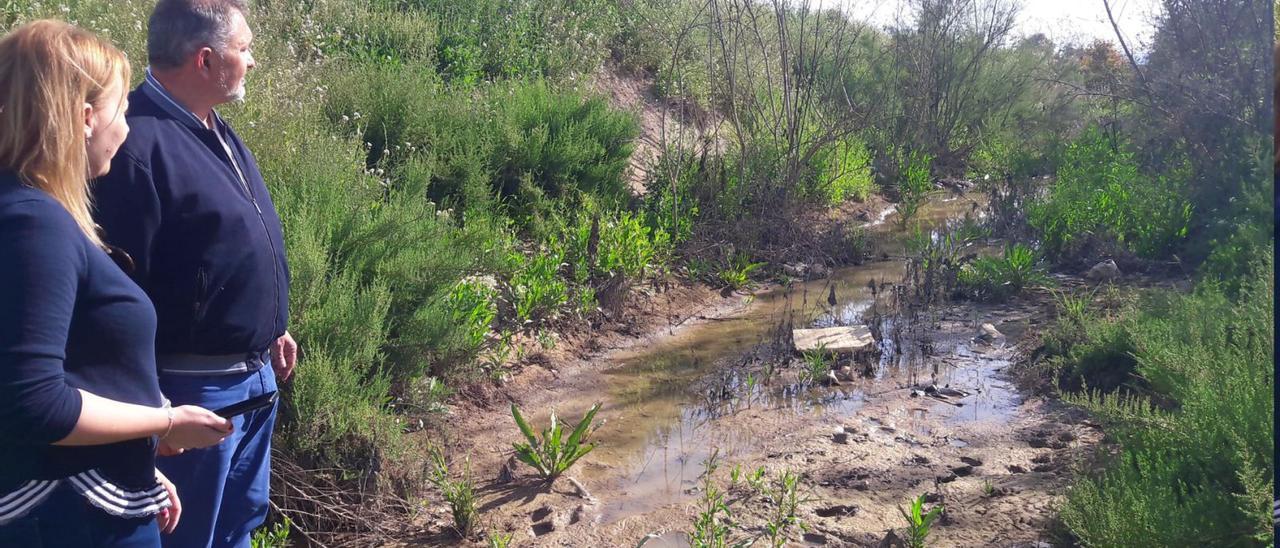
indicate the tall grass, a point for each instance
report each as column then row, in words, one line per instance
column 1195, row 465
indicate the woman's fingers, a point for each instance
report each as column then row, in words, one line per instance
column 168, row 519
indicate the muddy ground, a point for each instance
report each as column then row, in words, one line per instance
column 995, row 459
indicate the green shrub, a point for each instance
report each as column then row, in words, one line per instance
column 623, row 244
column 1195, row 463
column 934, row 261
column 914, row 184
column 844, row 172
column 817, row 363
column 1100, row 194
column 737, row 274
column 537, row 288
column 439, row 140
column 665, row 38
column 353, row 33
column 999, row 157
column 496, row 39
column 670, row 204
column 560, row 145
column 998, row 278
column 277, row 536
column 1245, row 236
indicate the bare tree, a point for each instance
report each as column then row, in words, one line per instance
column 948, row 76
column 779, row 64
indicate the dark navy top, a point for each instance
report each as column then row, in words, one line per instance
column 200, row 227
column 69, row 319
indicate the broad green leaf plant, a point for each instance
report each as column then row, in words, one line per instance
column 550, row 455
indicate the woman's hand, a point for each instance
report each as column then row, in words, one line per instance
column 195, row 427
column 167, row 519
column 163, row 449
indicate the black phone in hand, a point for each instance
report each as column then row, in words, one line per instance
column 252, row 404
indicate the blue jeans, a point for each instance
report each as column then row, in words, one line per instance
column 223, row 489
column 67, row 520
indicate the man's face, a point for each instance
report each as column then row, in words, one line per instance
column 232, row 63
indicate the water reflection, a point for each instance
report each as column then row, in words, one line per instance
column 663, row 399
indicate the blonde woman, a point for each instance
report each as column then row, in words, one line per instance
column 80, row 406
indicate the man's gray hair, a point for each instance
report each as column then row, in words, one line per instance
column 179, row 28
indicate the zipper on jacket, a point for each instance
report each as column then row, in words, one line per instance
column 244, row 183
column 202, row 289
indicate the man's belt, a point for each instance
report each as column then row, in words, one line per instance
column 199, row 364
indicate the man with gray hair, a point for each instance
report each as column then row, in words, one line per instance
column 186, row 201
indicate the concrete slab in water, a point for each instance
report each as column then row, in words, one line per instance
column 851, row 338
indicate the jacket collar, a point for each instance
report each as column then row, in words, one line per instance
column 161, row 97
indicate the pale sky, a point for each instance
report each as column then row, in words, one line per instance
column 1079, row 21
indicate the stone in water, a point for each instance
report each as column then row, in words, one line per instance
column 834, row 339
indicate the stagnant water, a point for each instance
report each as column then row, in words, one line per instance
column 659, row 401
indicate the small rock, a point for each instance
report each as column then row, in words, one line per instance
column 1067, row 436
column 963, row 470
column 582, row 513
column 918, row 460
column 798, row 270
column 508, row 471
column 539, row 529
column 988, row 334
column 950, row 477
column 1041, row 459
column 1103, row 271
column 838, row 510
column 933, row 498
column 861, row 485
column 541, row 513
column 815, row 538
column 579, row 489
column 841, row 438
column 1015, row 469
column 1038, row 443
column 971, row 461
column 891, row 540
column 563, row 519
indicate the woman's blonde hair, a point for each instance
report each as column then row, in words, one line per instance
column 49, row 70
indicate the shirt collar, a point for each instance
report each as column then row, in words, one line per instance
column 154, row 89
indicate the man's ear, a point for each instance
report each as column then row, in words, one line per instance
column 202, row 58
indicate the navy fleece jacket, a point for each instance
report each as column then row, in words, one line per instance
column 207, row 243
